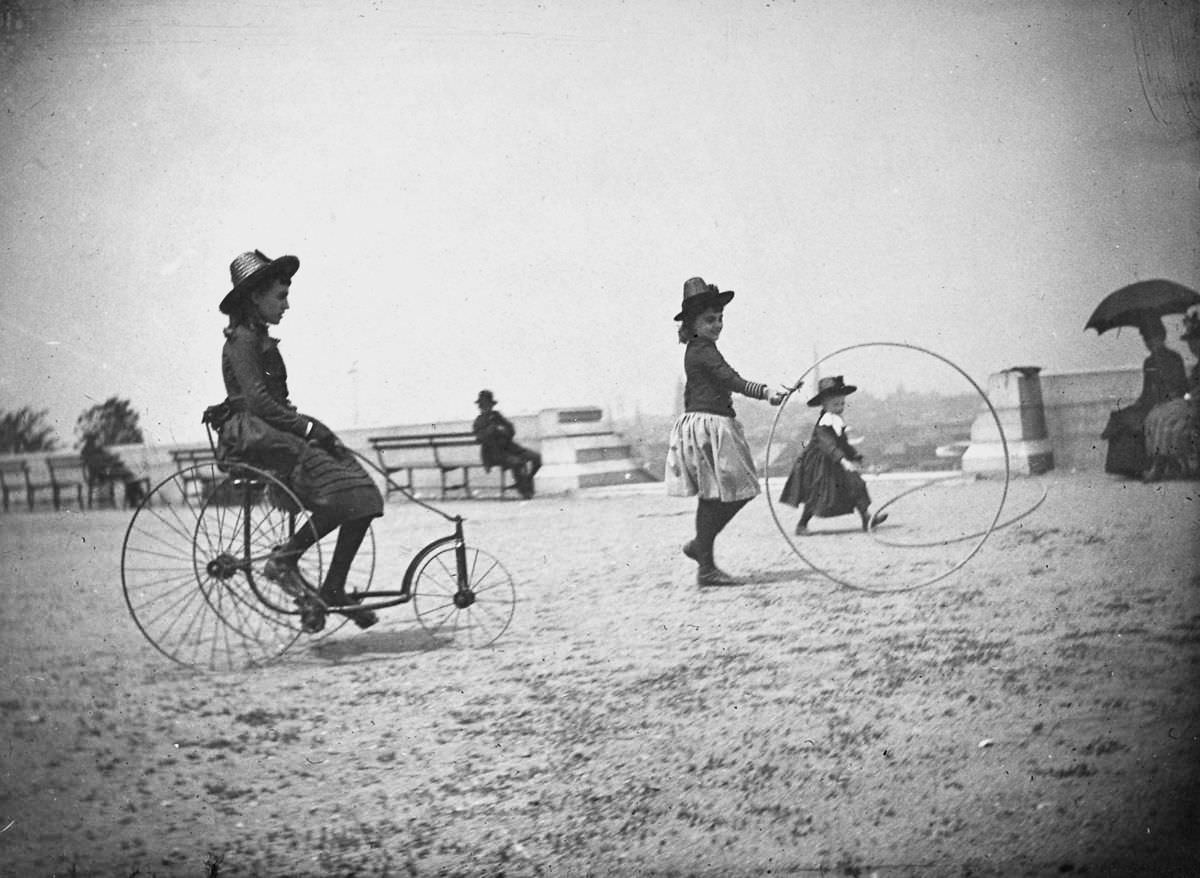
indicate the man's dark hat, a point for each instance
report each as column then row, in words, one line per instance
column 828, row 387
column 698, row 295
column 485, row 396
column 252, row 267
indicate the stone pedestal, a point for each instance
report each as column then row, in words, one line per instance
column 580, row 449
column 1016, row 394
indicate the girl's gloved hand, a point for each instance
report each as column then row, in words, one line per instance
column 322, row 436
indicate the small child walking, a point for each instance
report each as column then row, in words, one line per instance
column 708, row 454
column 825, row 478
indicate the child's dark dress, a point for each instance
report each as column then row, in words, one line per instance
column 256, row 381
column 820, row 482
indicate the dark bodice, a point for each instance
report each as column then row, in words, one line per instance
column 256, row 378
column 1163, row 378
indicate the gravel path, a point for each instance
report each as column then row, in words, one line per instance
column 1035, row 713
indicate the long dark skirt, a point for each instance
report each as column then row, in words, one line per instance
column 1126, row 437
column 337, row 488
column 823, row 485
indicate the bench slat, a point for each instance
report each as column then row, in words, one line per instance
column 15, row 476
column 203, row 480
column 66, row 472
column 453, row 455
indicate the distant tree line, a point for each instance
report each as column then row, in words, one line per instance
column 112, row 422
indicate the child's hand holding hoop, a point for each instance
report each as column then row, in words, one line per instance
column 782, row 392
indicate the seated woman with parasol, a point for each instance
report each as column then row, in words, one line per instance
column 1145, row 438
column 1167, row 426
column 1139, row 435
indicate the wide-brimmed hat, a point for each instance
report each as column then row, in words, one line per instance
column 828, row 387
column 698, row 295
column 485, row 396
column 251, row 267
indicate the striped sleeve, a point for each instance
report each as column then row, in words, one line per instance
column 754, row 390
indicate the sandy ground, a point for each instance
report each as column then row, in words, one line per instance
column 1033, row 713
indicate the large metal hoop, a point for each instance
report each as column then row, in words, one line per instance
column 982, row 538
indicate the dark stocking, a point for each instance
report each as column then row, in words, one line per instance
column 728, row 511
column 350, row 537
column 306, row 535
column 706, row 532
column 711, row 518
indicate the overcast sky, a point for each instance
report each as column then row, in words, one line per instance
column 510, row 195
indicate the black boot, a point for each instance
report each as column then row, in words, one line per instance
column 282, row 569
column 712, row 575
column 339, row 598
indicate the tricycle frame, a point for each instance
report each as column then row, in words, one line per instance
column 193, row 578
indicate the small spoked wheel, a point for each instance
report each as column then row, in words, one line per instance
column 463, row 594
column 192, row 567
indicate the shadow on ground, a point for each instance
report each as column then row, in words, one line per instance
column 410, row 640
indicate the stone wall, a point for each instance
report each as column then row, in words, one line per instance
column 1050, row 420
column 1077, row 406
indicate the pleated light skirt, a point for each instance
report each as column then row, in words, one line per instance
column 1169, row 427
column 708, row 456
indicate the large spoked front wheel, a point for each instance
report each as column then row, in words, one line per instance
column 192, row 567
column 462, row 593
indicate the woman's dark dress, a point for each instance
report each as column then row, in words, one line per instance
column 1163, row 379
column 820, row 482
column 256, row 381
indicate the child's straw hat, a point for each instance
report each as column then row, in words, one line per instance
column 698, row 295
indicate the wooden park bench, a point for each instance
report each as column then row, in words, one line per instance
column 202, row 480
column 452, row 455
column 15, row 476
column 67, row 473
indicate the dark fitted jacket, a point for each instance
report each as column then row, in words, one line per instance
column 256, row 382
column 256, row 379
column 832, row 444
column 711, row 382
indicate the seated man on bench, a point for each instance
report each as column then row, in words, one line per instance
column 497, row 447
column 102, row 467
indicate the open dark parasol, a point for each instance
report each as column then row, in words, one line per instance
column 1129, row 305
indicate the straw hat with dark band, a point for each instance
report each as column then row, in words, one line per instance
column 698, row 295
column 253, row 267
